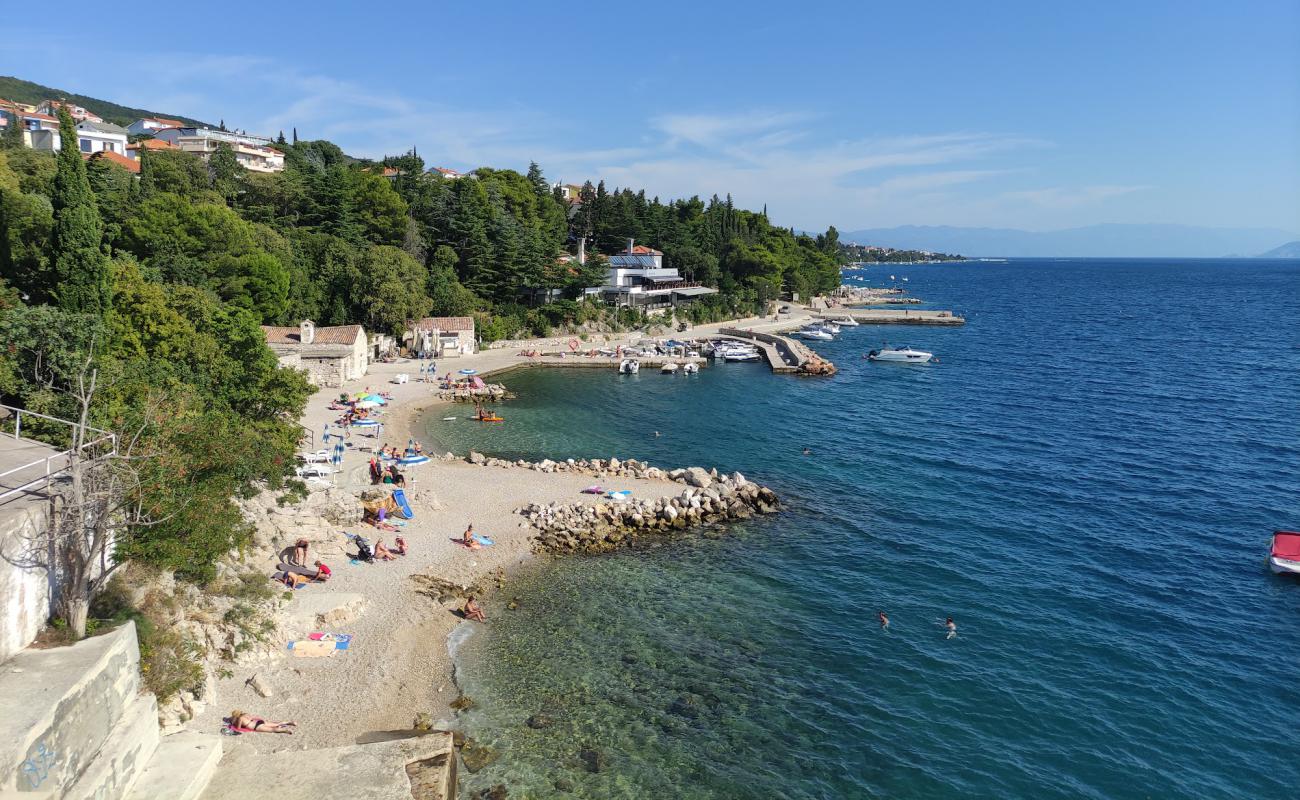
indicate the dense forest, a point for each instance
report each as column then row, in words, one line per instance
column 157, row 283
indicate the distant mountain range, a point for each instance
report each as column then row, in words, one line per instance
column 1288, row 250
column 21, row 91
column 1093, row 241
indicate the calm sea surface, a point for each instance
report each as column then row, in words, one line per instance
column 1086, row 483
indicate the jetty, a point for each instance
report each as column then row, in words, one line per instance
column 783, row 354
column 893, row 316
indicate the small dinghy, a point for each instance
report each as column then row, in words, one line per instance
column 1284, row 556
column 629, row 366
column 690, row 369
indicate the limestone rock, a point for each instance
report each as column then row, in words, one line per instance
column 698, row 477
column 260, row 685
column 476, row 457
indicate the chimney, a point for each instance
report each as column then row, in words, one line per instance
column 306, row 332
column 582, row 249
column 630, row 243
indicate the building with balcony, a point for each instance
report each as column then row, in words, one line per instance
column 29, row 121
column 253, row 152
column 92, row 137
column 78, row 113
column 637, row 278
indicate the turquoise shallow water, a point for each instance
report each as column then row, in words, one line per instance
column 1086, row 482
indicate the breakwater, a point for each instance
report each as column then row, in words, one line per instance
column 709, row 497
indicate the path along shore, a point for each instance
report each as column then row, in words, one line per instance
column 398, row 664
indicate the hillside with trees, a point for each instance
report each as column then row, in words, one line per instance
column 20, row 91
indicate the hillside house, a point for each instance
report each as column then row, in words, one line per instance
column 441, row 337
column 637, row 278
column 151, row 125
column 75, row 111
column 330, row 356
column 92, row 137
column 449, row 174
column 133, row 150
column 129, row 164
column 29, row 120
column 253, row 152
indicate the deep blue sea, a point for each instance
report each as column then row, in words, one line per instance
column 1086, row 482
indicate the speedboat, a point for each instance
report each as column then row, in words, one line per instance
column 846, row 322
column 830, row 327
column 902, row 355
column 690, row 369
column 1284, row 556
column 629, row 366
column 741, row 354
column 669, row 369
column 816, row 334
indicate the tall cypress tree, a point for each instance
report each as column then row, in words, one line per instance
column 80, row 265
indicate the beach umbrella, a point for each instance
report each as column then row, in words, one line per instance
column 469, row 372
column 366, row 404
column 375, row 398
column 477, row 382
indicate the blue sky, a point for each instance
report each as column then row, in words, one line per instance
column 859, row 114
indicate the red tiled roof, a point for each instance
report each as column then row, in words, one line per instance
column 117, row 158
column 336, row 334
column 446, row 171
column 151, row 144
column 389, row 172
column 446, row 324
column 167, row 123
column 642, row 250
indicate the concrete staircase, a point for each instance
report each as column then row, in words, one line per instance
column 79, row 727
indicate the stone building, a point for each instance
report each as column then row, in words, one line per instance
column 442, row 337
column 330, row 356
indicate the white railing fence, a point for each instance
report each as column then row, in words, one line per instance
column 50, row 466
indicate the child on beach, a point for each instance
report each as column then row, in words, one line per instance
column 399, row 546
column 472, row 610
column 323, row 572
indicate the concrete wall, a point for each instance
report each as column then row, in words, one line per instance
column 24, row 581
column 76, row 724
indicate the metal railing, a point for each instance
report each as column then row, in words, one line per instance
column 48, row 462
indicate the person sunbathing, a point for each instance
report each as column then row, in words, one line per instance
column 472, row 611
column 247, row 722
column 382, row 553
column 399, row 546
column 468, row 539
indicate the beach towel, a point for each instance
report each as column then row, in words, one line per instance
column 483, row 540
column 342, row 641
column 305, row 648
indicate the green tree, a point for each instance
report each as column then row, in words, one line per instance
column 80, row 265
column 225, row 171
column 448, row 297
column 392, row 289
column 12, row 139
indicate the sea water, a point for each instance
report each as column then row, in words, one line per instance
column 1086, row 482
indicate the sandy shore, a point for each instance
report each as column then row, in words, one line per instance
column 398, row 664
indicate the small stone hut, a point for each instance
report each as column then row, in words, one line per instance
column 330, row 355
column 441, row 337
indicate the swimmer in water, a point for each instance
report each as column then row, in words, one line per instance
column 807, row 451
column 952, row 627
column 656, row 434
column 884, row 620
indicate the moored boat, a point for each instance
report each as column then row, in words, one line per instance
column 816, row 334
column 629, row 366
column 1284, row 555
column 901, row 355
column 669, row 368
column 846, row 322
column 690, row 369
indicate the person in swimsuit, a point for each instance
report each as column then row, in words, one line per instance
column 952, row 627
column 884, row 620
column 323, row 573
column 472, row 610
column 399, row 546
column 248, row 722
column 382, row 553
column 468, row 539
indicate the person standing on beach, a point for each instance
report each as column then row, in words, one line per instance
column 952, row 628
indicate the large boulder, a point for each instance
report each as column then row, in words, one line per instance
column 697, row 477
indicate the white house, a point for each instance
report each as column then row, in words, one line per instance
column 441, row 337
column 330, row 356
column 449, row 174
column 253, row 152
column 30, row 121
column 151, row 125
column 78, row 113
column 638, row 278
column 92, row 137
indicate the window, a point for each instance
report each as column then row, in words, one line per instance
column 85, row 145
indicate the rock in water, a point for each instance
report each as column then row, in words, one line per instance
column 423, row 721
column 462, row 703
column 497, row 792
column 477, row 756
column 539, row 721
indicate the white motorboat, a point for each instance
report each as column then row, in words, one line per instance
column 690, row 369
column 1284, row 556
column 901, row 355
column 830, row 327
column 669, row 369
column 846, row 322
column 816, row 334
column 629, row 366
column 742, row 354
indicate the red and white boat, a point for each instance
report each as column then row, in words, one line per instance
column 1284, row 558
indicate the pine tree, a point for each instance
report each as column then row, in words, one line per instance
column 225, row 171
column 295, row 135
column 538, row 180
column 80, row 265
column 13, row 135
column 280, row 139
